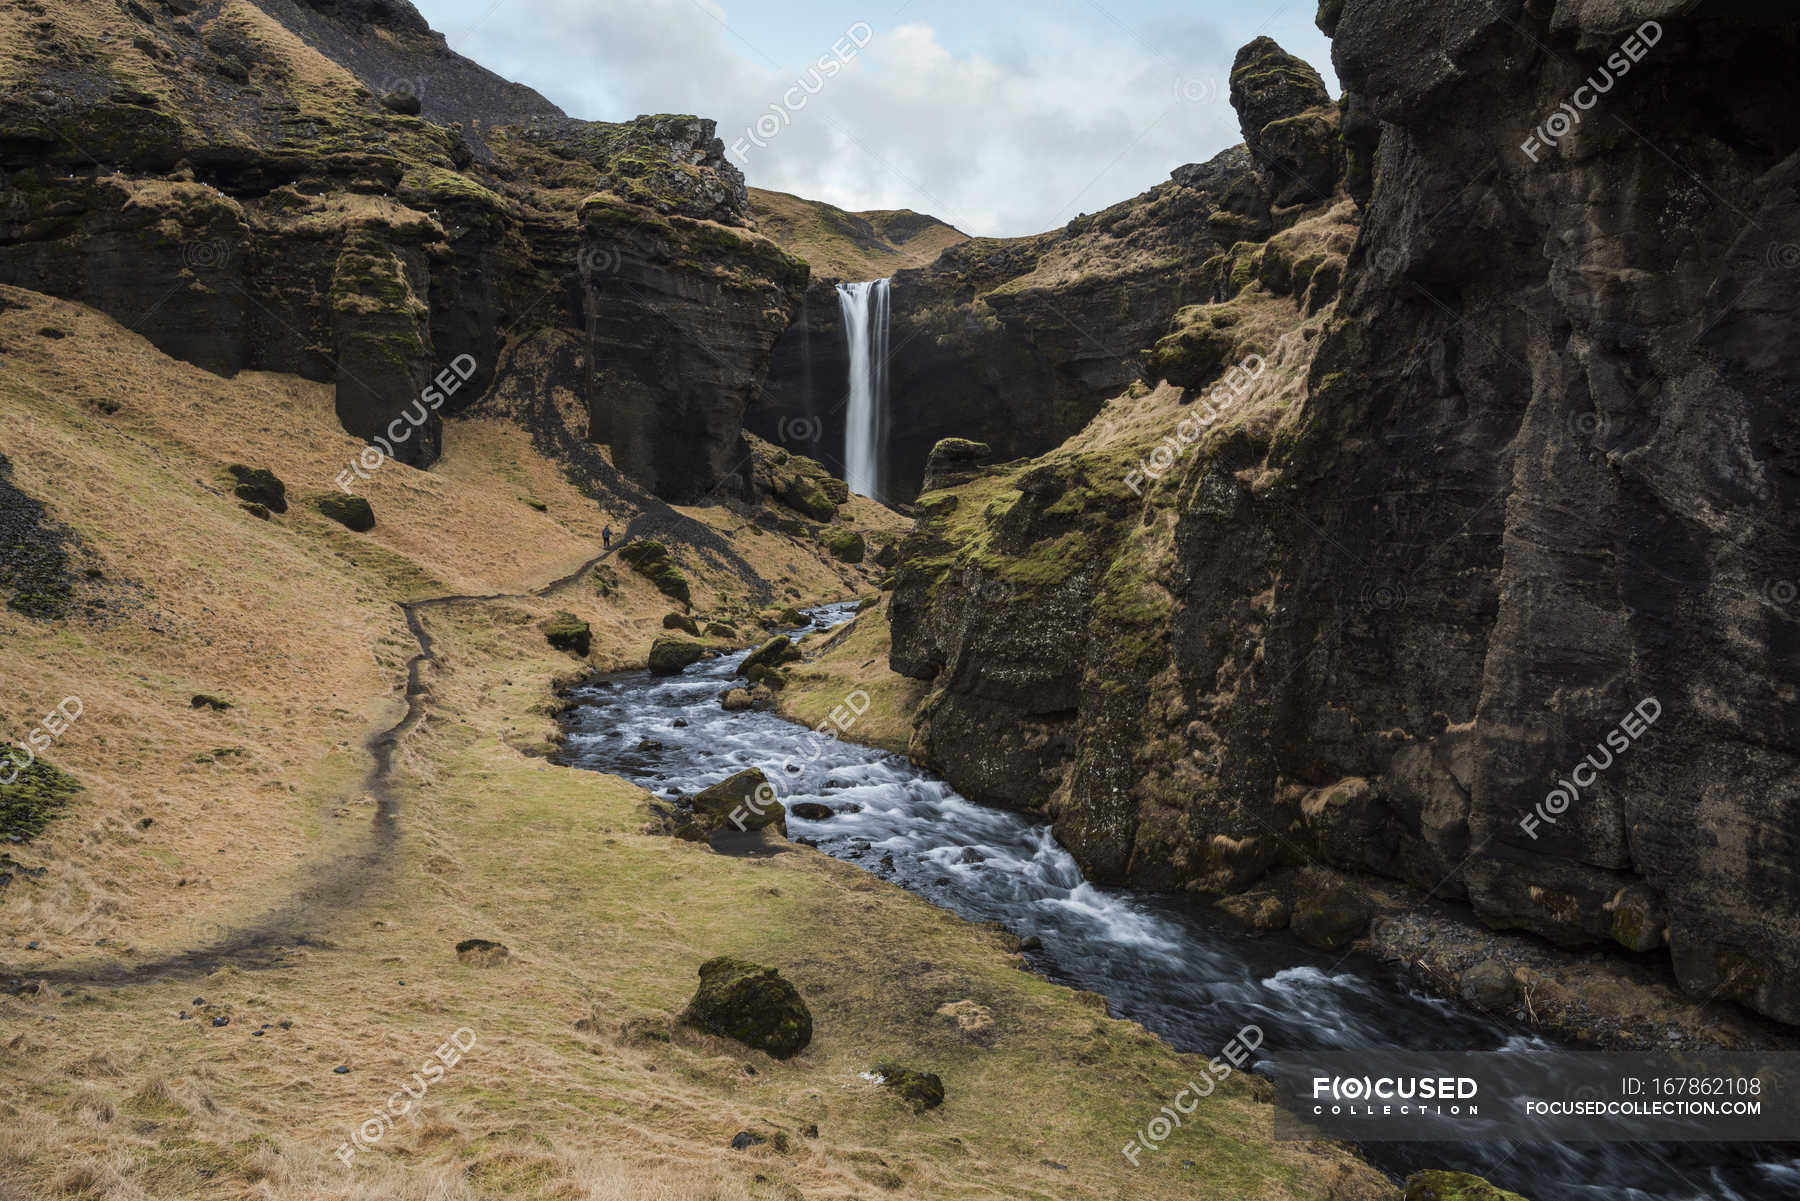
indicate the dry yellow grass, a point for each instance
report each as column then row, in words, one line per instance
column 577, row 1085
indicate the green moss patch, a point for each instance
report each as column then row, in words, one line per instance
column 651, row 560
column 37, row 794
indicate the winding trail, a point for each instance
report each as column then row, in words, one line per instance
column 345, row 877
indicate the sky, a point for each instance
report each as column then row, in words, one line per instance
column 1000, row 118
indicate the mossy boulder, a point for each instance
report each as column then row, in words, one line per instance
column 566, row 632
column 1454, row 1186
column 651, row 560
column 351, row 512
column 837, row 490
column 669, row 655
column 887, row 554
column 952, row 461
column 806, row 496
column 735, row 700
column 719, row 629
column 37, row 794
column 1332, row 919
column 767, row 676
column 752, row 1005
column 793, row 617
column 681, row 621
column 258, row 511
column 259, row 486
column 773, row 653
column 845, row 543
column 745, row 801
column 922, row 1090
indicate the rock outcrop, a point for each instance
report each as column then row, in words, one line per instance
column 325, row 189
column 1486, row 582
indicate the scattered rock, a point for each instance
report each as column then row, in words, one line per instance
column 255, row 509
column 566, row 632
column 845, row 544
column 260, row 486
column 669, row 655
column 735, row 700
column 751, row 1004
column 221, row 1020
column 743, row 1140
column 681, row 621
column 482, row 952
column 923, row 1090
column 744, row 800
column 205, row 700
column 351, row 512
column 812, row 811
column 1489, row 985
column 793, row 617
column 771, row 654
column 1332, row 919
column 718, row 629
column 340, row 1070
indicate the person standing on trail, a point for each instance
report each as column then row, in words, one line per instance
column 606, row 538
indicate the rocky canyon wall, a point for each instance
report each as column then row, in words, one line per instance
column 1488, row 583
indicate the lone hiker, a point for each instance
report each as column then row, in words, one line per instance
column 606, row 538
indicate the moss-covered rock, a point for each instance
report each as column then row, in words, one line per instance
column 773, row 653
column 1332, row 919
column 844, row 543
column 837, row 490
column 651, row 559
column 258, row 511
column 681, row 621
column 719, row 629
column 752, row 1005
column 922, row 1090
column 1454, row 1186
column 745, row 801
column 566, row 632
column 351, row 512
column 793, row 617
column 37, row 794
column 735, row 700
column 259, row 486
column 669, row 655
column 807, row 496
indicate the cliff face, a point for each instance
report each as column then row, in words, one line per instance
column 1487, row 584
column 325, row 188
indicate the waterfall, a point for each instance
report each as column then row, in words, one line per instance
column 865, row 309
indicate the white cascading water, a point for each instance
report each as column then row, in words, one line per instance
column 865, row 309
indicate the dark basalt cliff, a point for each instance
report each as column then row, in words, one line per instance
column 1535, row 469
column 325, row 188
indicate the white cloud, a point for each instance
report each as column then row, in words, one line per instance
column 1064, row 121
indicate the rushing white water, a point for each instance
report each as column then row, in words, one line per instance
column 865, row 309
